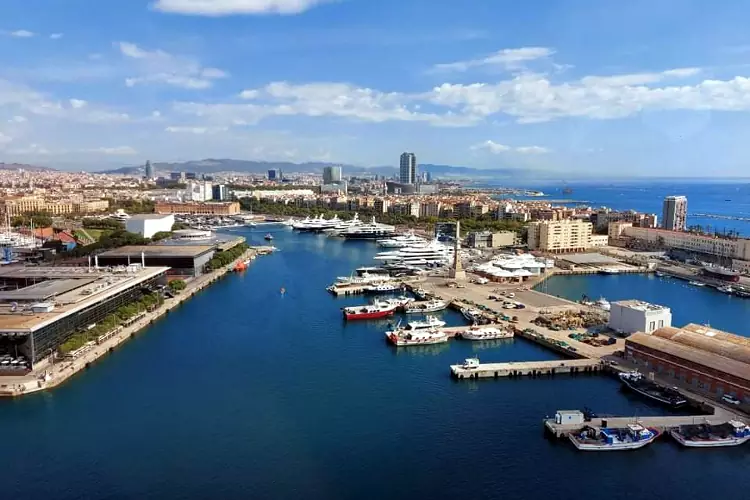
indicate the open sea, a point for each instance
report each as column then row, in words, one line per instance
column 247, row 393
column 720, row 206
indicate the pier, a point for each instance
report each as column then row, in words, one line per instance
column 660, row 423
column 528, row 368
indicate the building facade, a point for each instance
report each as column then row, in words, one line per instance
column 148, row 225
column 408, row 168
column 332, row 175
column 562, row 236
column 274, row 175
column 209, row 208
column 630, row 316
column 733, row 248
column 220, row 192
column 674, row 213
column 487, row 239
column 148, row 170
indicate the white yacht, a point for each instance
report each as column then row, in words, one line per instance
column 433, row 252
column 369, row 231
column 430, row 322
column 426, row 307
column 486, row 333
column 417, row 337
column 405, row 240
column 344, row 225
column 319, row 224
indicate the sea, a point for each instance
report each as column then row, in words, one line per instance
column 250, row 393
column 721, row 206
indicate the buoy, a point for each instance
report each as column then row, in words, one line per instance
column 283, row 290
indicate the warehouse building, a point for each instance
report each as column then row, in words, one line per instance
column 183, row 260
column 41, row 308
column 707, row 359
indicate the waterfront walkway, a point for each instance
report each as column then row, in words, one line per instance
column 528, row 368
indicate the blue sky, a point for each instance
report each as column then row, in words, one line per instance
column 658, row 88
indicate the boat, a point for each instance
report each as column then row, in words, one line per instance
column 632, row 437
column 731, row 433
column 472, row 315
column 430, row 322
column 427, row 307
column 696, row 283
column 268, row 237
column 609, row 270
column 420, row 293
column 721, row 273
column 400, row 302
column 417, row 337
column 470, row 363
column 363, row 279
column 486, row 333
column 405, row 240
column 370, row 231
column 369, row 311
column 638, row 383
column 344, row 225
column 745, row 294
column 660, row 274
column 603, row 303
column 383, row 288
column 422, row 254
column 725, row 289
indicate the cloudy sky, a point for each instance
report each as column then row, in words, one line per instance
column 608, row 87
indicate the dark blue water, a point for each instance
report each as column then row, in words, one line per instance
column 689, row 304
column 245, row 393
column 646, row 196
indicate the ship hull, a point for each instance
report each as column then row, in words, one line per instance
column 708, row 443
column 399, row 342
column 368, row 315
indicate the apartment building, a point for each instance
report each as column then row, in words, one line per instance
column 429, row 209
column 564, row 236
column 700, row 243
column 31, row 204
column 409, row 208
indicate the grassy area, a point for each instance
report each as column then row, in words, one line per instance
column 95, row 233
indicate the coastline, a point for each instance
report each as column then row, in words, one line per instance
column 58, row 373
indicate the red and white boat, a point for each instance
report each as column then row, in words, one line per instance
column 370, row 311
column 416, row 337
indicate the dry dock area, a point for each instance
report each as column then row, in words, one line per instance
column 528, row 368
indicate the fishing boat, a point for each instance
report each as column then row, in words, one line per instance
column 725, row 289
column 427, row 307
column 696, row 283
column 632, row 437
column 609, row 270
column 420, row 293
column 416, row 337
column 400, row 302
column 472, row 315
column 486, row 333
column 705, row 435
column 369, row 311
column 268, row 237
column 383, row 288
column 636, row 382
column 430, row 322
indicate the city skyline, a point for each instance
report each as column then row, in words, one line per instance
column 272, row 80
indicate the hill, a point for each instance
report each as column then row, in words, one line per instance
column 23, row 166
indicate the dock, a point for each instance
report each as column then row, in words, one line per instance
column 528, row 368
column 660, row 423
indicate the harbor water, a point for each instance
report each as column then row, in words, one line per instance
column 247, row 392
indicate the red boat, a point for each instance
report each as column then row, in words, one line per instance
column 370, row 311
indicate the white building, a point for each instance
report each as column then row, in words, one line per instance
column 630, row 316
column 148, row 225
column 200, row 191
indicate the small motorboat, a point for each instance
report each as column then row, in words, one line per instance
column 268, row 237
column 471, row 363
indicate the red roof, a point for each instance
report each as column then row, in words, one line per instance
column 66, row 237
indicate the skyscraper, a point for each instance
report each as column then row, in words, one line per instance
column 408, row 169
column 331, row 175
column 149, row 170
column 273, row 175
column 674, row 214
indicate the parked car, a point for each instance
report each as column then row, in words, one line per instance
column 728, row 398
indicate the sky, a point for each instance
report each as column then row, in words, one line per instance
column 579, row 87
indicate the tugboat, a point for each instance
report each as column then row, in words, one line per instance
column 370, row 311
column 732, row 433
column 636, row 382
column 268, row 237
column 632, row 437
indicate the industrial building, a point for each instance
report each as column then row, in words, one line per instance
column 562, row 236
column 183, row 260
column 42, row 307
column 210, row 208
column 707, row 359
column 148, row 225
column 630, row 316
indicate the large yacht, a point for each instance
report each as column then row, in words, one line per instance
column 404, row 240
column 344, row 225
column 433, row 252
column 318, row 224
column 370, row 231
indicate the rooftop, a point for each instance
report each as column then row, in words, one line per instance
column 588, row 258
column 134, row 251
column 68, row 295
column 641, row 305
column 150, row 216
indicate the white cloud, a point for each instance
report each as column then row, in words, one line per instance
column 506, row 58
column 4, row 139
column 21, row 33
column 233, row 7
column 56, row 36
column 159, row 67
column 31, row 150
column 639, row 78
column 497, row 148
column 18, row 119
column 195, row 130
column 77, row 103
column 249, row 94
column 115, row 151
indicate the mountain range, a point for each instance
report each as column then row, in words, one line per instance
column 23, row 166
column 212, row 166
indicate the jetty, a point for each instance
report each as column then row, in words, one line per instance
column 528, row 368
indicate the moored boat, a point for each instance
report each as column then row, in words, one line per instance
column 430, row 322
column 268, row 237
column 636, row 382
column 470, row 363
column 632, row 437
column 400, row 302
column 369, row 311
column 416, row 337
column 383, row 288
column 472, row 315
column 705, row 435
column 486, row 333
column 426, row 307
